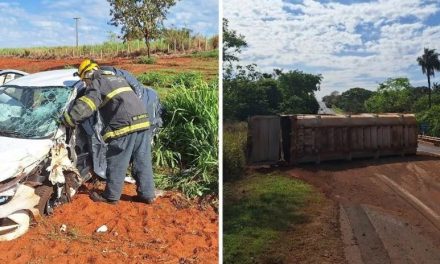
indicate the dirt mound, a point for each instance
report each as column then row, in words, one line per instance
column 172, row 230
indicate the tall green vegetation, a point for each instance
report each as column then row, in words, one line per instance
column 232, row 43
column 350, row 101
column 140, row 18
column 160, row 79
column 396, row 95
column 248, row 92
column 234, row 149
column 298, row 92
column 188, row 141
column 430, row 63
column 114, row 48
column 393, row 95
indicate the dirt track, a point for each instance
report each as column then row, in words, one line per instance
column 378, row 224
column 208, row 67
column 172, row 230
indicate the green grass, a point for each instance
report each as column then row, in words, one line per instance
column 205, row 54
column 185, row 152
column 257, row 210
column 187, row 145
column 338, row 110
column 146, row 60
column 234, row 149
column 162, row 79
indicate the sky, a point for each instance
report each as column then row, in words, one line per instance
column 351, row 43
column 50, row 22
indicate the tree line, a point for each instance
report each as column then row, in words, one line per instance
column 248, row 92
column 397, row 95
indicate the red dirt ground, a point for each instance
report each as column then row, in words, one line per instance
column 208, row 67
column 356, row 183
column 172, row 230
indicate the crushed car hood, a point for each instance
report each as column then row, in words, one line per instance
column 18, row 154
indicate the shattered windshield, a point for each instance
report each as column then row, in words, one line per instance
column 31, row 112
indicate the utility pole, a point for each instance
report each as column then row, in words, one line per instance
column 76, row 22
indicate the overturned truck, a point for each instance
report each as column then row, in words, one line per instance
column 293, row 139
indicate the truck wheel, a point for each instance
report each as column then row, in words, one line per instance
column 45, row 192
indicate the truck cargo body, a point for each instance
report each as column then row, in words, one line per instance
column 296, row 139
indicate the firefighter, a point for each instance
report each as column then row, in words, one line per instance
column 125, row 131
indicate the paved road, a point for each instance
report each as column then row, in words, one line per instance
column 389, row 210
column 324, row 110
column 427, row 147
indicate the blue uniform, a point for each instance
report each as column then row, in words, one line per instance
column 135, row 147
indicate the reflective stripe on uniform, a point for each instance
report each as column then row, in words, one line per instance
column 89, row 102
column 68, row 119
column 104, row 72
column 125, row 130
column 113, row 93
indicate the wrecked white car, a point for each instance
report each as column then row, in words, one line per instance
column 9, row 75
column 41, row 164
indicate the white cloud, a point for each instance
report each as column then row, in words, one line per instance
column 199, row 15
column 351, row 45
column 50, row 22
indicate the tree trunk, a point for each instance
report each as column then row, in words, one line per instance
column 147, row 41
column 429, row 88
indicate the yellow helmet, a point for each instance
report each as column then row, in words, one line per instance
column 86, row 66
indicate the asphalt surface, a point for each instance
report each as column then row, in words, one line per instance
column 324, row 110
column 428, row 147
column 382, row 222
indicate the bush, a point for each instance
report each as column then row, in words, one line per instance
column 432, row 119
column 167, row 80
column 146, row 60
column 155, row 79
column 234, row 149
column 188, row 142
column 205, row 54
column 187, row 79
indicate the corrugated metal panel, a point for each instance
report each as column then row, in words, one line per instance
column 264, row 138
column 315, row 138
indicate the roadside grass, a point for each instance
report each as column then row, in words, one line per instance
column 186, row 147
column 146, row 60
column 160, row 79
column 185, row 152
column 338, row 110
column 205, row 54
column 234, row 149
column 258, row 209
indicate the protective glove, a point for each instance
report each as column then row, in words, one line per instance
column 67, row 120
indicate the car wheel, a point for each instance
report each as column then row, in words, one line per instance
column 44, row 205
column 15, row 225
